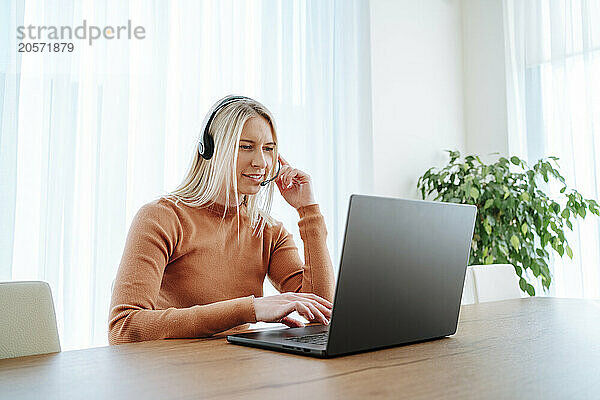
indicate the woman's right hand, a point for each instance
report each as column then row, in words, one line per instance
column 277, row 308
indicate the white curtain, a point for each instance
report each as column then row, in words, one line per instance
column 88, row 137
column 553, row 87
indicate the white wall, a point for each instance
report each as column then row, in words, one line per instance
column 417, row 78
column 438, row 76
column 484, row 78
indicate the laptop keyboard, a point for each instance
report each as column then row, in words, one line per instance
column 318, row 338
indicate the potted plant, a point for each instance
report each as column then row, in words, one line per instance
column 517, row 222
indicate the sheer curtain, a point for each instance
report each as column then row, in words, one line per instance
column 88, row 137
column 553, row 87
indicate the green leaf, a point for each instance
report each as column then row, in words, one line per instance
column 523, row 284
column 487, row 227
column 514, row 240
column 524, row 228
column 581, row 211
column 569, row 224
column 565, row 213
column 518, row 270
column 535, row 268
column 453, row 154
column 515, row 160
column 544, row 239
column 474, row 193
column 540, row 252
column 525, row 196
column 489, row 259
column 569, row 251
column 530, row 290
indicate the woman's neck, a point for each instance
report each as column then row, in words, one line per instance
column 232, row 203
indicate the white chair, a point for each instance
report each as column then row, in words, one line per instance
column 494, row 282
column 27, row 320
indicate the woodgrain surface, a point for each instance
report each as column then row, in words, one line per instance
column 528, row 348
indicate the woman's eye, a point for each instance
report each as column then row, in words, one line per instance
column 268, row 149
column 245, row 147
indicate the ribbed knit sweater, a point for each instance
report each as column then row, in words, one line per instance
column 184, row 275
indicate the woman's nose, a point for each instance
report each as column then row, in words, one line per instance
column 259, row 160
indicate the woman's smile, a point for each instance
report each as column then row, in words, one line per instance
column 254, row 177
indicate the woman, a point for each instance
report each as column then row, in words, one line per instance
column 195, row 260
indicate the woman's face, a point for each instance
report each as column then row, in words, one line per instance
column 255, row 155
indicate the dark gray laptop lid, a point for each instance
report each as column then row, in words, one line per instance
column 401, row 273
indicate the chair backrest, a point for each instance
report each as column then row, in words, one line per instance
column 27, row 320
column 495, row 282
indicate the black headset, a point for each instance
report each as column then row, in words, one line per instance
column 206, row 145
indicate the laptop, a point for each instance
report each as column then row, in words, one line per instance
column 400, row 280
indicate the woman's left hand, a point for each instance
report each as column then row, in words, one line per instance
column 294, row 185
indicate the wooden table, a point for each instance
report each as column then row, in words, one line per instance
column 529, row 348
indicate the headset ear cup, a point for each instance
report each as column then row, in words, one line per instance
column 209, row 147
column 206, row 147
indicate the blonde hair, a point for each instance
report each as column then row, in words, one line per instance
column 205, row 180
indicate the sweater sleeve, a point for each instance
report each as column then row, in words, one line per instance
column 152, row 239
column 286, row 270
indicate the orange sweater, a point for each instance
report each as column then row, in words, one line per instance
column 183, row 274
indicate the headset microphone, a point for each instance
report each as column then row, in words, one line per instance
column 265, row 183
